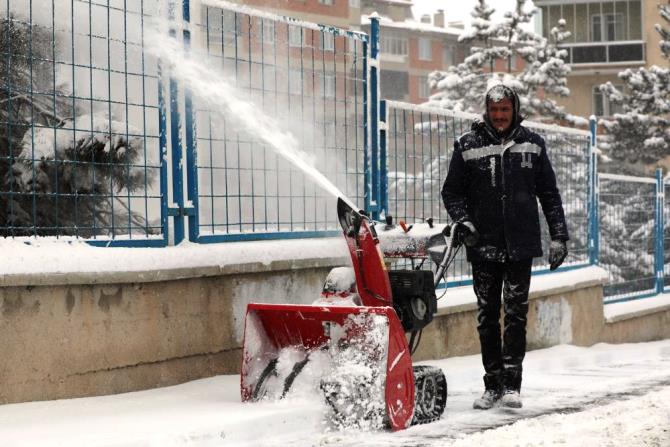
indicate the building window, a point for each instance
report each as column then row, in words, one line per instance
column 425, row 49
column 596, row 28
column 449, row 55
column 394, row 84
column 294, row 36
column 512, row 62
column 355, row 3
column 269, row 75
column 393, row 45
column 295, row 82
column 329, row 85
column 598, row 102
column 614, row 26
column 424, row 89
column 326, row 2
column 602, row 105
column 328, row 40
column 607, row 27
column 268, row 31
column 595, row 21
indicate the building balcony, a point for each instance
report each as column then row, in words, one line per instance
column 611, row 53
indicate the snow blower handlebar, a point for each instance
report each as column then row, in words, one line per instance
column 453, row 244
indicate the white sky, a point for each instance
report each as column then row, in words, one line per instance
column 459, row 10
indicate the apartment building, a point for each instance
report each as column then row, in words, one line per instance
column 410, row 47
column 340, row 13
column 410, row 50
column 607, row 37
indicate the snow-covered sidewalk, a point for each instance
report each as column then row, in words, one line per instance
column 607, row 395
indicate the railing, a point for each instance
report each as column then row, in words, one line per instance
column 618, row 52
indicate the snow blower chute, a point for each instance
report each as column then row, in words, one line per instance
column 354, row 337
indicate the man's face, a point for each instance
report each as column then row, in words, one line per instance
column 501, row 114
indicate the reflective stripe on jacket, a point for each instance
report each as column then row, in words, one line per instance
column 495, row 185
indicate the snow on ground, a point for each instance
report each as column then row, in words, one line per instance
column 604, row 395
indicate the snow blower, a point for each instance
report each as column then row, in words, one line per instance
column 353, row 338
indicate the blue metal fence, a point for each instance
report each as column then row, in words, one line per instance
column 81, row 118
column 101, row 142
column 311, row 78
column 631, row 246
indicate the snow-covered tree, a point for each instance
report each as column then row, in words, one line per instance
column 641, row 133
column 627, row 235
column 55, row 180
column 462, row 87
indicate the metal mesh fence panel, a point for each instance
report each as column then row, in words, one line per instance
column 627, row 207
column 419, row 145
column 311, row 80
column 569, row 153
column 79, row 109
column 666, row 236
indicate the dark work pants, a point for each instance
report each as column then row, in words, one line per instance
column 502, row 361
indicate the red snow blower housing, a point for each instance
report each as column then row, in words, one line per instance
column 352, row 342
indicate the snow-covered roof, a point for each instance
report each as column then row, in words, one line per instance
column 413, row 25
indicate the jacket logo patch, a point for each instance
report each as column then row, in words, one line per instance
column 526, row 160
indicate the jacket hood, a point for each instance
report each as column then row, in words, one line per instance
column 497, row 93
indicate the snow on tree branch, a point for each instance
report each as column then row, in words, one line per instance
column 462, row 87
column 641, row 133
column 55, row 180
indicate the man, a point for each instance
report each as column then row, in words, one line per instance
column 496, row 173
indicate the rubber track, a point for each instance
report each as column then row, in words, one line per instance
column 438, row 395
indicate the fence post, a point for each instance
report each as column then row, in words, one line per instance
column 594, row 195
column 176, row 145
column 372, row 196
column 659, row 255
column 162, row 141
column 190, row 209
column 383, row 168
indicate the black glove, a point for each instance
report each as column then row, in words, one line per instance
column 558, row 250
column 466, row 233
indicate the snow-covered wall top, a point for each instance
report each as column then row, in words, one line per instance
column 49, row 262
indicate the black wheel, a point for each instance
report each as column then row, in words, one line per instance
column 430, row 394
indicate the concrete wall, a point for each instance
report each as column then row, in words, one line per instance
column 85, row 337
column 79, row 339
column 580, row 101
column 563, row 314
column 639, row 326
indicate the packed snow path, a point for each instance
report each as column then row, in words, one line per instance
column 608, row 395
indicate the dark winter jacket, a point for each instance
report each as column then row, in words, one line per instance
column 494, row 184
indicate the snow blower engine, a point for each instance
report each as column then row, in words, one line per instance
column 352, row 343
